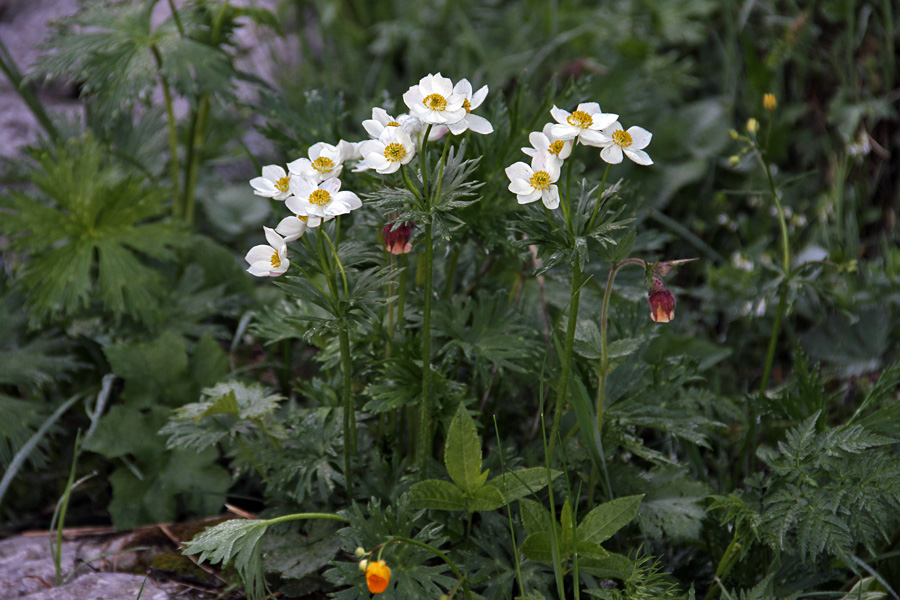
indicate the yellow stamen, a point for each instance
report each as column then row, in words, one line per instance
column 467, row 106
column 394, row 152
column 320, row 197
column 276, row 261
column 435, row 102
column 540, row 180
column 323, row 164
column 556, row 147
column 621, row 138
column 581, row 119
column 303, row 218
column 283, row 184
column 393, row 124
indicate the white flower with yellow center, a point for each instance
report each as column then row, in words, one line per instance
column 325, row 161
column 434, row 102
column 393, row 148
column 322, row 200
column 274, row 183
column 585, row 124
column 631, row 143
column 294, row 227
column 271, row 260
column 529, row 183
column 545, row 141
column 471, row 102
column 381, row 119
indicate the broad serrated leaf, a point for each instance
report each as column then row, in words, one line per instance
column 537, row 547
column 518, row 484
column 436, row 494
column 239, row 541
column 462, row 452
column 605, row 520
column 535, row 517
column 485, row 498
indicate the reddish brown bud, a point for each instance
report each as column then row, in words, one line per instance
column 396, row 240
column 662, row 303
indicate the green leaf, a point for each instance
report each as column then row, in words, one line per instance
column 225, row 405
column 436, row 494
column 485, row 498
column 605, row 520
column 591, row 550
column 567, row 528
column 537, row 547
column 518, row 484
column 535, row 517
column 462, row 452
column 237, row 540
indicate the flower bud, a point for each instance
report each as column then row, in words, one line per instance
column 363, row 565
column 752, row 125
column 662, row 303
column 378, row 576
column 733, row 134
column 769, row 102
column 396, row 240
column 733, row 160
column 360, row 552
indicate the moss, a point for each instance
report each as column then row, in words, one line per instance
column 178, row 565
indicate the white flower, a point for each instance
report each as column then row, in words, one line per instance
column 349, row 150
column 393, row 148
column 294, row 227
column 545, row 141
column 325, row 161
column 322, row 200
column 433, row 101
column 631, row 142
column 585, row 124
column 471, row 102
column 536, row 181
column 274, row 183
column 380, row 119
column 268, row 261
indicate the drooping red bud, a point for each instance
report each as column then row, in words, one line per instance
column 662, row 303
column 396, row 241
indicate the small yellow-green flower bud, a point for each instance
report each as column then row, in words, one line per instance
column 734, row 160
column 363, row 565
column 360, row 552
column 769, row 102
column 734, row 134
column 752, row 125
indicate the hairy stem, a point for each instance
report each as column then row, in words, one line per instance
column 562, row 394
column 177, row 206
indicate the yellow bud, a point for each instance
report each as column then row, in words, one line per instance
column 769, row 102
column 360, row 552
column 752, row 125
column 734, row 160
column 734, row 134
column 363, row 565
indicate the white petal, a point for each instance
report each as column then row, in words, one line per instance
column 413, row 98
column 591, row 108
column 640, row 137
column 478, row 97
column 260, row 269
column 564, row 132
column 538, row 140
column 603, row 121
column 590, row 137
column 291, row 228
column 463, row 87
column 331, row 185
column 273, row 238
column 259, row 253
column 392, row 166
column 550, row 197
column 639, row 156
column 335, row 208
column 300, row 165
column 519, row 170
column 273, row 172
column 377, row 161
column 302, row 187
column 527, row 198
column 381, row 116
column 520, row 186
column 349, row 198
column 559, row 115
column 263, row 187
column 479, row 125
column 612, row 154
column 373, row 128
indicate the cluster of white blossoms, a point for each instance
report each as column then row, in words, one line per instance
column 310, row 187
column 551, row 146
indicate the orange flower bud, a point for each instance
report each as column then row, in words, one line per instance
column 396, row 241
column 662, row 303
column 378, row 576
column 769, row 102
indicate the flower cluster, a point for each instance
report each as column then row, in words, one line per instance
column 587, row 125
column 311, row 189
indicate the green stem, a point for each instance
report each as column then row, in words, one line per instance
column 401, row 291
column 561, row 395
column 424, row 442
column 9, row 68
column 177, row 207
column 349, row 411
column 339, row 264
column 303, row 516
column 599, row 196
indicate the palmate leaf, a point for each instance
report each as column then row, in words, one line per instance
column 87, row 235
column 239, row 541
column 116, row 54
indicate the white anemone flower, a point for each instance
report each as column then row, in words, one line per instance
column 393, row 148
column 271, row 260
column 322, row 200
column 434, row 102
column 631, row 143
column 294, row 227
column 545, row 141
column 349, row 150
column 585, row 124
column 471, row 102
column 381, row 119
column 274, row 183
column 529, row 183
column 325, row 161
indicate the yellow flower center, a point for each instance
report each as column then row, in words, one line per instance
column 467, row 106
column 621, row 138
column 393, row 124
column 394, row 152
column 435, row 102
column 323, row 164
column 276, row 261
column 283, row 184
column 540, row 180
column 556, row 147
column 303, row 218
column 581, row 119
column 320, row 197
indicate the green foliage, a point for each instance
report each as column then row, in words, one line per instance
column 89, row 232
column 238, row 541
